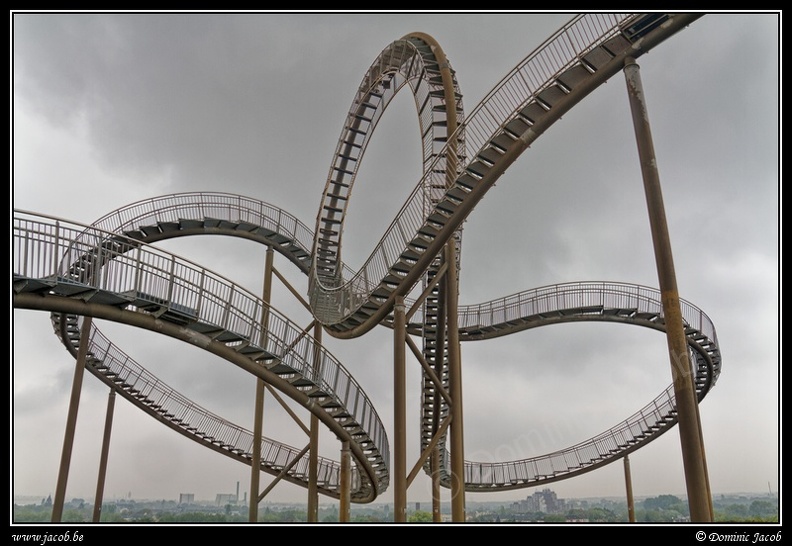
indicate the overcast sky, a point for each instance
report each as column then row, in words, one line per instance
column 111, row 109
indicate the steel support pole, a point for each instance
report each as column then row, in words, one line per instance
column 399, row 413
column 451, row 302
column 628, row 483
column 435, row 466
column 258, row 411
column 699, row 498
column 439, row 363
column 345, row 495
column 313, row 454
column 255, row 459
column 100, row 482
column 455, row 388
column 71, row 421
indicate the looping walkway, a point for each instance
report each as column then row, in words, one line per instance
column 111, row 269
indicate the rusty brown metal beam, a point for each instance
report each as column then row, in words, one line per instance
column 71, row 421
column 696, row 479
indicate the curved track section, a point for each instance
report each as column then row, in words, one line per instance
column 589, row 302
column 77, row 270
column 165, row 404
column 191, row 214
column 100, row 269
column 415, row 61
column 577, row 59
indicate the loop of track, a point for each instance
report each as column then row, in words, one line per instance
column 349, row 303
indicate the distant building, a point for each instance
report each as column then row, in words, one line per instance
column 186, row 498
column 545, row 501
column 226, row 498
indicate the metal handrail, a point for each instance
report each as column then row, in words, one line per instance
column 528, row 303
column 578, row 294
column 169, row 284
column 148, row 389
column 332, row 304
column 57, row 251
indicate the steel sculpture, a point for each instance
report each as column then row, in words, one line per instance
column 112, row 270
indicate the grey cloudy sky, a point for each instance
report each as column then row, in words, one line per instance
column 111, row 109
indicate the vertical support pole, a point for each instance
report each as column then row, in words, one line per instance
column 435, row 465
column 628, row 483
column 313, row 454
column 451, row 304
column 100, row 483
column 698, row 491
column 71, row 421
column 399, row 413
column 346, row 483
column 452, row 293
column 255, row 460
column 258, row 411
column 440, row 363
column 455, row 387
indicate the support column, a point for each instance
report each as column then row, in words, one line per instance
column 435, row 466
column 692, row 444
column 313, row 454
column 451, row 304
column 255, row 459
column 71, row 421
column 346, row 483
column 455, row 387
column 258, row 411
column 628, row 483
column 399, row 413
column 440, row 362
column 99, row 497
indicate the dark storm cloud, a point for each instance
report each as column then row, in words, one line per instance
column 127, row 107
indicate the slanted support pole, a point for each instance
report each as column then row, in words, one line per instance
column 696, row 479
column 100, row 482
column 71, row 421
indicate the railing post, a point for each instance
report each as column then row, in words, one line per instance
column 138, row 269
column 171, row 277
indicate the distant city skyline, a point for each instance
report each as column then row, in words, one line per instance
column 324, row 501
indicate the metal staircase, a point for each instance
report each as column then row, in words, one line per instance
column 102, row 266
column 198, row 305
column 566, row 68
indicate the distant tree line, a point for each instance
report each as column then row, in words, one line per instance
column 660, row 509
